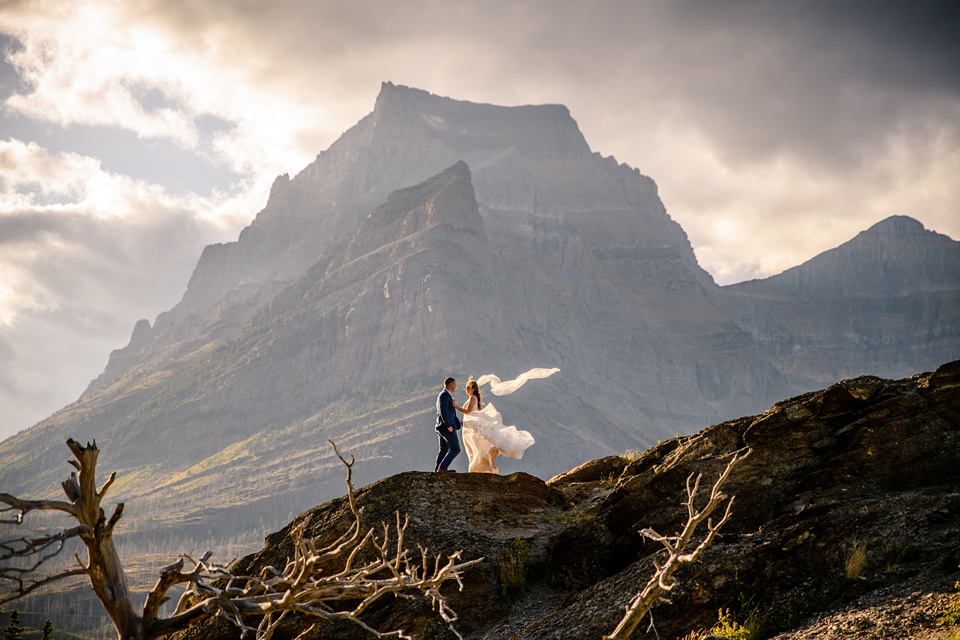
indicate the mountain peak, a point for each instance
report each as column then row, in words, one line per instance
column 899, row 237
column 473, row 127
column 390, row 91
column 898, row 223
column 896, row 226
column 447, row 198
column 907, row 255
column 393, row 94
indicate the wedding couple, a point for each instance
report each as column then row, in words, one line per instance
column 484, row 435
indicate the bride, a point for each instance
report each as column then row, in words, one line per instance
column 484, row 435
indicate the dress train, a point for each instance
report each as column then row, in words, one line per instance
column 484, row 434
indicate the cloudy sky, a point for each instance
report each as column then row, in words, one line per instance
column 134, row 132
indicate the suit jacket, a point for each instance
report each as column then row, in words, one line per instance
column 446, row 412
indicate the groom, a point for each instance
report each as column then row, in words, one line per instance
column 447, row 426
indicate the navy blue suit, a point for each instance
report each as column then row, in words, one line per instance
column 446, row 418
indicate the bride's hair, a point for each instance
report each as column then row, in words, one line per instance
column 472, row 384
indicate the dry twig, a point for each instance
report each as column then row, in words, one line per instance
column 676, row 546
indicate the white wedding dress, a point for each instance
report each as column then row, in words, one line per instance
column 484, row 434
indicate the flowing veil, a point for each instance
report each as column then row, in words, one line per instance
column 499, row 388
column 484, row 429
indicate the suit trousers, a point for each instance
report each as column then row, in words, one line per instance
column 449, row 447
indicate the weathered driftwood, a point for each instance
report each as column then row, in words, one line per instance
column 255, row 604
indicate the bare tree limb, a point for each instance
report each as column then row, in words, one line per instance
column 70, row 486
column 26, row 589
column 662, row 580
column 117, row 512
column 169, row 576
column 37, row 550
column 321, row 581
column 23, row 507
column 106, row 485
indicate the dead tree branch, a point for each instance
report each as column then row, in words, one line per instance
column 368, row 567
column 36, row 551
column 676, row 546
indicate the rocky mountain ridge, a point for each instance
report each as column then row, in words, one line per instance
column 442, row 237
column 569, row 231
column 521, row 158
column 867, row 466
column 886, row 300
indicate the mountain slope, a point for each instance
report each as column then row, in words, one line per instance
column 575, row 238
column 436, row 237
column 889, row 299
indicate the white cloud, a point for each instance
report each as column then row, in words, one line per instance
column 755, row 220
column 84, row 254
column 84, row 67
column 104, row 64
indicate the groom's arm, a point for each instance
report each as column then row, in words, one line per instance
column 449, row 413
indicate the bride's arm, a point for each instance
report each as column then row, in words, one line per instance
column 471, row 405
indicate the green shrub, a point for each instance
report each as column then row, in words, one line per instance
column 13, row 630
column 727, row 627
column 952, row 614
column 570, row 518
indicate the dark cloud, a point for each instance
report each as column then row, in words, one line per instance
column 29, row 227
column 10, row 80
column 828, row 80
column 824, row 80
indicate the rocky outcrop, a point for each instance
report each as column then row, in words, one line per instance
column 865, row 463
column 867, row 466
column 479, row 514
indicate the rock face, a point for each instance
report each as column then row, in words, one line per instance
column 579, row 248
column 887, row 300
column 866, row 464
